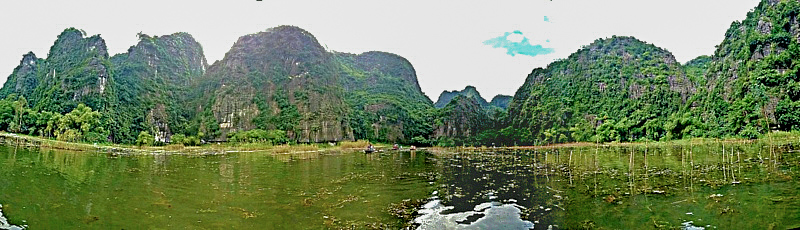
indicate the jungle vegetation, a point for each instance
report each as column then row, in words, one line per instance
column 281, row 86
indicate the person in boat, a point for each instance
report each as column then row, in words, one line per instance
column 413, row 147
column 395, row 147
column 370, row 148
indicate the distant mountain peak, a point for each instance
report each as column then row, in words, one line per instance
column 469, row 91
column 501, row 101
column 72, row 40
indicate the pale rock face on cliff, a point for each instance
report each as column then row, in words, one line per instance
column 281, row 78
column 154, row 79
column 76, row 71
column 462, row 117
column 24, row 79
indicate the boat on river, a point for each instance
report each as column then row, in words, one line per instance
column 370, row 149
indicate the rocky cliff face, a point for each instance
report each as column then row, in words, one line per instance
column 386, row 103
column 76, row 71
column 153, row 80
column 446, row 96
column 462, row 118
column 25, row 77
column 281, row 78
column 753, row 85
column 380, row 65
column 616, row 81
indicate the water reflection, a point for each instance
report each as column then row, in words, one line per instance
column 52, row 189
column 4, row 222
column 725, row 186
column 730, row 186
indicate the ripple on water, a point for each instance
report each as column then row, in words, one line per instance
column 489, row 215
column 4, row 222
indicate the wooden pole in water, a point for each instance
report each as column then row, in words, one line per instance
column 691, row 169
column 724, row 172
column 596, row 151
column 645, row 163
column 569, row 167
column 569, row 162
column 546, row 173
column 733, row 176
column 645, row 156
column 691, row 155
column 739, row 162
column 632, row 173
column 683, row 166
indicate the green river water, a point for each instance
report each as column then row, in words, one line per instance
column 736, row 186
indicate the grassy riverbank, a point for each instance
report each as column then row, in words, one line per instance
column 211, row 148
column 775, row 138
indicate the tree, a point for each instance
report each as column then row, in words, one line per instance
column 145, row 138
column 20, row 107
column 177, row 139
column 80, row 124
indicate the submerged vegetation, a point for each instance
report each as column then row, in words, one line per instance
column 724, row 185
column 710, row 184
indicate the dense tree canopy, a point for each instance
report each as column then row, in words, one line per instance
column 281, row 85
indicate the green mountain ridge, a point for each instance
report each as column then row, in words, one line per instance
column 279, row 79
column 498, row 101
column 469, row 91
column 281, row 85
column 754, row 77
column 154, row 78
column 750, row 86
column 77, row 70
column 501, row 101
column 387, row 103
column 618, row 88
column 461, row 119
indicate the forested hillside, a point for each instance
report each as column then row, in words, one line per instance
column 153, row 80
column 274, row 86
column 754, row 75
column 470, row 91
column 280, row 85
column 282, row 79
column 460, row 121
column 501, row 101
column 279, row 79
column 69, row 95
column 385, row 98
column 621, row 89
column 615, row 89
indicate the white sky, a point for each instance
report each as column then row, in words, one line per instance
column 443, row 39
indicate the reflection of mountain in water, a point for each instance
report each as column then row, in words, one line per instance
column 674, row 186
